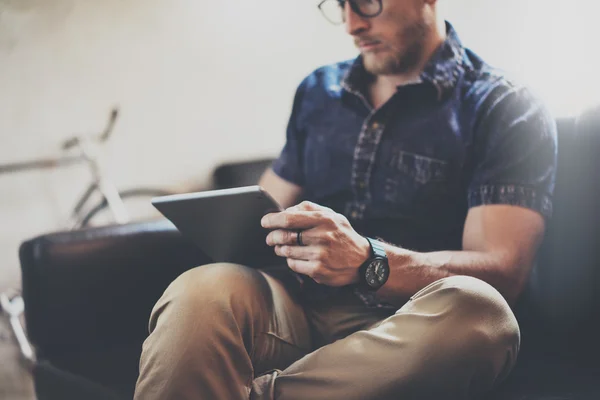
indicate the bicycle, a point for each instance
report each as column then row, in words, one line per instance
column 117, row 204
column 86, row 150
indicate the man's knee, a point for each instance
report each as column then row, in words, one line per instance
column 211, row 290
column 475, row 322
column 468, row 296
column 478, row 299
column 213, row 281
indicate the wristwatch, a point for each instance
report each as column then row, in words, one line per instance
column 374, row 272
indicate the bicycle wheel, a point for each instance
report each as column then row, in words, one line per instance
column 137, row 203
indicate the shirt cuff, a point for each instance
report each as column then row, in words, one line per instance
column 515, row 195
column 287, row 172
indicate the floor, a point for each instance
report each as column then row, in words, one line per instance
column 15, row 381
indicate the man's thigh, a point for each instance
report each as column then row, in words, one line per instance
column 341, row 316
column 288, row 336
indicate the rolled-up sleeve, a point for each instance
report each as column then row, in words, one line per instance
column 289, row 164
column 515, row 149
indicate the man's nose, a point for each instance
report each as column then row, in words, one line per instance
column 355, row 24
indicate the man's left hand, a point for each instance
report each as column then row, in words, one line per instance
column 332, row 250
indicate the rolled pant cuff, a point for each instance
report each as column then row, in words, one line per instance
column 263, row 387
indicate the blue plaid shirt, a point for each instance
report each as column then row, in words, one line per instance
column 462, row 136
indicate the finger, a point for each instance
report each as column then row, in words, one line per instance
column 292, row 220
column 305, row 267
column 313, row 236
column 282, row 237
column 299, row 252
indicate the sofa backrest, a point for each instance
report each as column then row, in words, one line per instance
column 242, row 173
column 562, row 302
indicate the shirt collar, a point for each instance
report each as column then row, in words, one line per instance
column 443, row 69
column 446, row 65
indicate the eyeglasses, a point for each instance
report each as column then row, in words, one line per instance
column 334, row 10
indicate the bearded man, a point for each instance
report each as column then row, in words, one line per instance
column 427, row 180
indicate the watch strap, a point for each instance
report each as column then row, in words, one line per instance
column 377, row 249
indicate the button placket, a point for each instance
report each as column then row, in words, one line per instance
column 364, row 158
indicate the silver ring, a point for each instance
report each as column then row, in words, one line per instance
column 299, row 238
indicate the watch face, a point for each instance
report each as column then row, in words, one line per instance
column 377, row 273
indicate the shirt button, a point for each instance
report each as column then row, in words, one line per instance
column 375, row 125
column 354, row 215
column 361, row 184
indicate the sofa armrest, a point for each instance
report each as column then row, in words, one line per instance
column 94, row 289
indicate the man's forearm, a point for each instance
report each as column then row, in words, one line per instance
column 412, row 271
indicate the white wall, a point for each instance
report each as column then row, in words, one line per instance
column 201, row 82
column 196, row 84
column 550, row 45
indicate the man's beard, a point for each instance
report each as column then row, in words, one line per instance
column 413, row 39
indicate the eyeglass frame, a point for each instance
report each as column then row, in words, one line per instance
column 354, row 8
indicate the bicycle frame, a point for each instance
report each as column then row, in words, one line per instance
column 86, row 148
column 40, row 164
column 85, row 145
column 14, row 307
column 99, row 183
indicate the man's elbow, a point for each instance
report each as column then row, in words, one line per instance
column 513, row 283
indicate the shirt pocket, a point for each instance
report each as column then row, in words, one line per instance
column 414, row 181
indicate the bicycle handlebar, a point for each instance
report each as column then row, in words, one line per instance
column 71, row 142
column 114, row 114
column 103, row 137
column 63, row 160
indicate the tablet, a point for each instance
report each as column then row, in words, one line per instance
column 224, row 224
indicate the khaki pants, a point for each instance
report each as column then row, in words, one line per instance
column 227, row 332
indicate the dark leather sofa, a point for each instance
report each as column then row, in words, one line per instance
column 88, row 294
